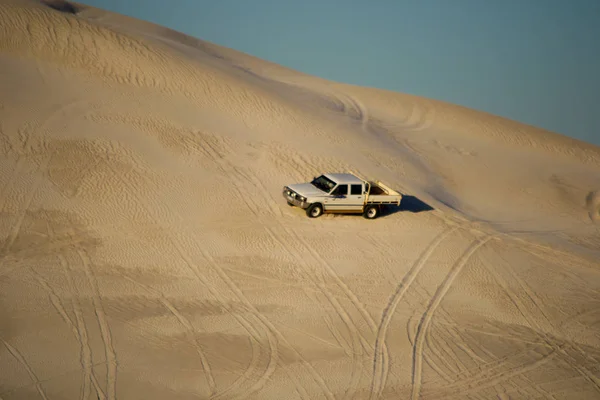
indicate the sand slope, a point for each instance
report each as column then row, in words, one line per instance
column 146, row 251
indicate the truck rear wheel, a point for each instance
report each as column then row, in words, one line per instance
column 314, row 210
column 371, row 212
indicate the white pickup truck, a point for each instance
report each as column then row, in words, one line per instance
column 341, row 193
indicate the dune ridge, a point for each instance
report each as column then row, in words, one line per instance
column 146, row 251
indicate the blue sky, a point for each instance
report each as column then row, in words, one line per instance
column 537, row 62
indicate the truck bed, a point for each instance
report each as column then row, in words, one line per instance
column 382, row 194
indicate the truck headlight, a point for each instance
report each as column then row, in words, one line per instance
column 301, row 198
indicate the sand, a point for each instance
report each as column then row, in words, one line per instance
column 146, row 251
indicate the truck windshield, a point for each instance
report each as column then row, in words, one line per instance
column 323, row 183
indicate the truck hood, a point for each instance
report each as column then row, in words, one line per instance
column 306, row 189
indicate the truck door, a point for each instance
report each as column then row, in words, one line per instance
column 346, row 198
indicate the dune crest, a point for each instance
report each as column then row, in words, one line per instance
column 146, row 251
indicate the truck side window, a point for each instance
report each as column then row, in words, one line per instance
column 356, row 190
column 340, row 190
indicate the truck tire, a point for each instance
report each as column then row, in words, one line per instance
column 290, row 204
column 371, row 212
column 314, row 210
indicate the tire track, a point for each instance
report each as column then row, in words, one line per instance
column 191, row 266
column 111, row 356
column 79, row 330
column 450, row 353
column 82, row 334
column 17, row 169
column 458, row 338
column 359, row 342
column 17, row 227
column 374, row 128
column 27, row 133
column 421, row 117
column 243, row 322
column 269, row 325
column 550, row 254
column 14, row 174
column 426, row 118
column 352, row 104
column 353, row 299
column 319, row 380
column 489, row 378
column 247, row 325
column 425, row 321
column 341, row 312
column 19, row 357
column 380, row 370
column 486, row 372
column 438, row 352
column 296, row 165
column 257, row 209
column 210, row 380
column 251, row 177
column 43, row 381
column 449, row 345
column 364, row 342
column 458, row 327
column 577, row 317
column 337, row 336
column 232, row 171
column 21, row 256
column 447, row 372
column 357, row 339
column 37, row 182
column 347, row 291
column 85, row 352
column 271, row 335
column 532, row 320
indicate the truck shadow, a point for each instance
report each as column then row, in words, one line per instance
column 409, row 203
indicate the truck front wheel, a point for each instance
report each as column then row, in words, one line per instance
column 314, row 210
column 371, row 212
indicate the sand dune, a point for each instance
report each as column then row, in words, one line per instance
column 146, row 251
